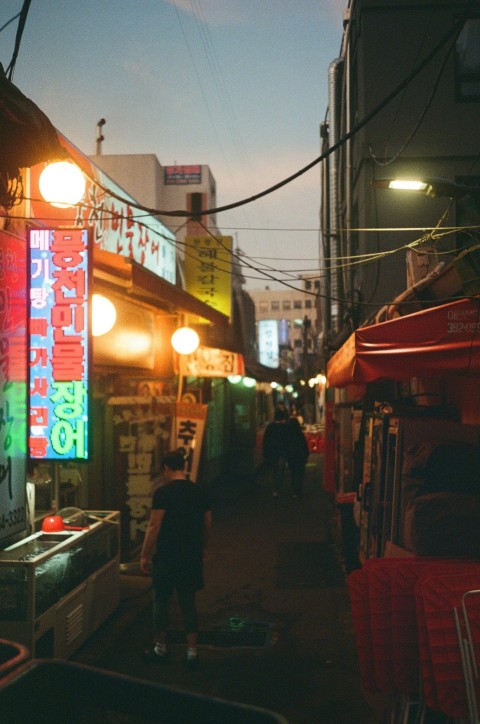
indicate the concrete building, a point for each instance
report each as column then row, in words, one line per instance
column 404, row 100
column 287, row 323
column 180, row 187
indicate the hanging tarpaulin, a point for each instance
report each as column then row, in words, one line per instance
column 187, row 434
column 438, row 341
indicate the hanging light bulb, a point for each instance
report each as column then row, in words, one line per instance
column 185, row 340
column 62, row 184
column 104, row 315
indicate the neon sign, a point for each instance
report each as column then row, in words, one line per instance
column 13, row 372
column 59, row 344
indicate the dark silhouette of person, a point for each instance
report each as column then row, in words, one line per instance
column 296, row 451
column 173, row 552
column 274, row 448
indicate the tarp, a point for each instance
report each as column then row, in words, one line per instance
column 437, row 341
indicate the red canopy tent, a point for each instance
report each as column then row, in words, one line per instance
column 443, row 339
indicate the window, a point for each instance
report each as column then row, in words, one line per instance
column 297, row 303
column 308, row 303
column 286, row 304
column 467, row 62
column 196, row 205
column 263, row 306
column 275, row 306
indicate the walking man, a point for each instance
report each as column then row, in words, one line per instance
column 274, row 448
column 172, row 553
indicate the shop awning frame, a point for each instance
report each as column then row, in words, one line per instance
column 439, row 341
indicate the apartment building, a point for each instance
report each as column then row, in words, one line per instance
column 287, row 324
column 404, row 101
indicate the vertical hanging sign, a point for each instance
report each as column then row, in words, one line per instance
column 187, row 434
column 59, row 343
column 13, row 376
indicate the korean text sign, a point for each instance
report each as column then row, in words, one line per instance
column 187, row 434
column 13, row 376
column 59, row 344
column 208, row 270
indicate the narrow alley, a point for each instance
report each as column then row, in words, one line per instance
column 275, row 620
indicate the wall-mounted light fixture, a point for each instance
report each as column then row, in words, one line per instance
column 431, row 186
column 62, row 184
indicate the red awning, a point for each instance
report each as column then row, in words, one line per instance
column 437, row 341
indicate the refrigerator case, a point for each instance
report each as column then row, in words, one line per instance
column 395, row 449
column 57, row 588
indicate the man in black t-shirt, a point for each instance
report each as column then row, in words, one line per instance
column 173, row 552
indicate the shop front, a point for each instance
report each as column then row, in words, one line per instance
column 403, row 387
column 97, row 409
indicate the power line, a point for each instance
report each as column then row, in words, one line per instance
column 22, row 15
column 347, row 136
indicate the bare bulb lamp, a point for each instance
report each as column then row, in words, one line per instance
column 185, row 340
column 62, row 184
column 104, row 315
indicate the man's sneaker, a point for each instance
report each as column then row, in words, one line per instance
column 191, row 663
column 152, row 657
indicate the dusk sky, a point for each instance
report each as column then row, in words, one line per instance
column 240, row 85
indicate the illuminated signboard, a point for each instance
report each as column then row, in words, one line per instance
column 268, row 342
column 116, row 225
column 181, row 175
column 13, row 375
column 59, row 344
column 208, row 270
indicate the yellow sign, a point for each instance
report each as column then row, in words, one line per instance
column 208, row 270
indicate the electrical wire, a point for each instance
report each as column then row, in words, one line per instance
column 422, row 114
column 9, row 21
column 18, row 38
column 266, row 271
column 181, row 213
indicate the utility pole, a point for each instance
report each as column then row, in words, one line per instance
column 100, row 136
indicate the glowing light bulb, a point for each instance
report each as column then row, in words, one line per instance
column 104, row 315
column 62, row 184
column 185, row 340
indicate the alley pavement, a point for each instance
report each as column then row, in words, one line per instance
column 275, row 623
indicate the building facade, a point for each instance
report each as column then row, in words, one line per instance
column 403, row 102
column 287, row 326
